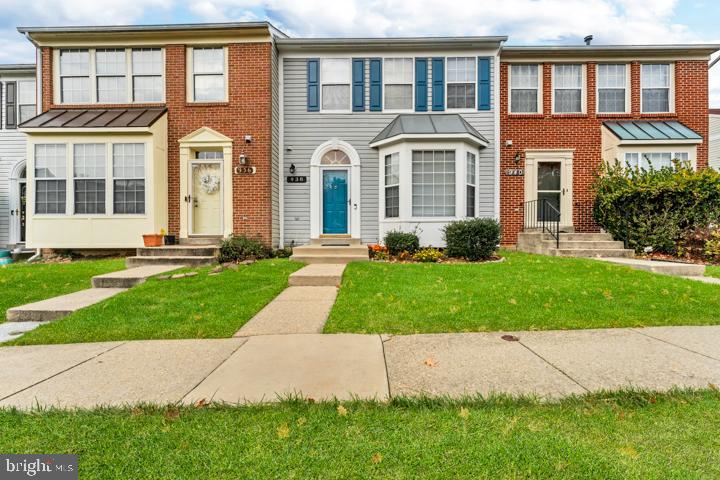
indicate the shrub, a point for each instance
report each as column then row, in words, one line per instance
column 398, row 242
column 473, row 239
column 234, row 249
column 427, row 255
column 712, row 247
column 282, row 252
column 656, row 209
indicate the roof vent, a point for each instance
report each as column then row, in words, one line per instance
column 588, row 40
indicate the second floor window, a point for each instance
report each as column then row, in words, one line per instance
column 208, row 74
column 655, row 85
column 568, row 87
column 524, row 89
column 147, row 80
column 398, row 83
column 110, row 70
column 461, row 79
column 335, row 79
column 75, row 76
column 612, row 88
column 26, row 101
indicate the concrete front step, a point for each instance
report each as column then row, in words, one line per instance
column 360, row 250
column 209, row 240
column 59, row 307
column 340, row 259
column 318, row 275
column 591, row 253
column 586, row 237
column 586, row 245
column 193, row 261
column 335, row 241
column 178, row 251
column 131, row 277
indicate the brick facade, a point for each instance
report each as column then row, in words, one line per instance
column 582, row 132
column 248, row 111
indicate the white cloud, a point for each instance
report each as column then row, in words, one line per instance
column 79, row 12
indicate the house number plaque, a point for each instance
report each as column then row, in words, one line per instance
column 245, row 170
column 297, row 179
column 515, row 172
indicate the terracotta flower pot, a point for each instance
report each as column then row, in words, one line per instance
column 153, row 240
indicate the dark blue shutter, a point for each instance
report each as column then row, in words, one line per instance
column 10, row 104
column 313, row 85
column 421, row 84
column 484, row 83
column 438, row 84
column 375, row 85
column 358, row 84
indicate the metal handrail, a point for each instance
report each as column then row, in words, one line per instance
column 542, row 215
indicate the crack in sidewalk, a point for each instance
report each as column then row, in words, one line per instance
column 554, row 366
column 673, row 344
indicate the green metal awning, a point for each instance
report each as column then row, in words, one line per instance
column 652, row 131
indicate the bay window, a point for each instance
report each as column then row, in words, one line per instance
column 208, row 74
column 524, row 89
column 461, row 80
column 654, row 160
column 612, row 88
column 567, row 88
column 50, row 178
column 392, row 185
column 75, row 76
column 89, row 178
column 398, row 78
column 128, row 165
column 655, row 88
column 335, row 76
column 433, row 183
column 471, row 182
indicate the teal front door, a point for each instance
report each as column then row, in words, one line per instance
column 335, row 201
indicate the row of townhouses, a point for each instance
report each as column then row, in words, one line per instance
column 209, row 130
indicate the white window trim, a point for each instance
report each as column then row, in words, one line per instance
column 70, row 183
column 386, row 185
column 628, row 89
column 57, row 87
column 474, row 185
column 583, row 89
column 671, row 88
column 474, row 82
column 31, row 178
column 321, row 83
column 190, row 75
column 385, row 83
column 18, row 87
column 673, row 155
column 541, row 69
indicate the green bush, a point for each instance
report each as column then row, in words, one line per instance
column 282, row 252
column 234, row 249
column 656, row 209
column 398, row 242
column 473, row 239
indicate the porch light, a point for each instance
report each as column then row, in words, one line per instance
column 243, row 159
column 292, row 168
column 518, row 157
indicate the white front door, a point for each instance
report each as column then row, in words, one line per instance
column 206, row 193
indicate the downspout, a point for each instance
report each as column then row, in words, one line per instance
column 38, row 253
column 38, row 107
column 281, row 141
column 496, row 106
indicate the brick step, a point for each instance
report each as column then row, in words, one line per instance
column 178, row 251
column 339, row 259
column 591, row 253
column 193, row 261
column 331, row 250
column 586, row 245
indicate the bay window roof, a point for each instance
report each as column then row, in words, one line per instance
column 653, row 131
column 96, row 118
column 430, row 126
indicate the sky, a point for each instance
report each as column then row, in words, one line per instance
column 526, row 22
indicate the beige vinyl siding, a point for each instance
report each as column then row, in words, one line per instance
column 304, row 131
column 714, row 143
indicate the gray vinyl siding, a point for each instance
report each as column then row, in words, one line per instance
column 12, row 151
column 714, row 143
column 275, row 146
column 304, row 131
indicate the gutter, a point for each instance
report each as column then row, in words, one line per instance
column 38, row 253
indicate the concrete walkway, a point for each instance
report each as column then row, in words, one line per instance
column 548, row 364
column 658, row 266
column 59, row 307
column 301, row 308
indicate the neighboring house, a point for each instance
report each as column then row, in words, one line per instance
column 564, row 110
column 714, row 143
column 387, row 134
column 150, row 128
column 17, row 100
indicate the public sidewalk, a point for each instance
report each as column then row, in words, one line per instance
column 549, row 364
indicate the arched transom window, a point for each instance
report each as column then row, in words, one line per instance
column 335, row 157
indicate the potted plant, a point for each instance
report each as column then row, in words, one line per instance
column 154, row 239
column 168, row 239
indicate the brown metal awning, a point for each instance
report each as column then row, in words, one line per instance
column 96, row 118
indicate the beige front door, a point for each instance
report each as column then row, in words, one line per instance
column 206, row 180
column 549, row 178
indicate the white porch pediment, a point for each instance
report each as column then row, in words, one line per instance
column 205, row 136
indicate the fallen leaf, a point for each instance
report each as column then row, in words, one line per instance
column 376, row 458
column 301, row 421
column 430, row 362
column 283, row 431
column 629, row 452
column 512, row 301
column 136, row 411
column 172, row 413
column 464, row 413
column 607, row 294
column 342, row 411
column 201, row 403
column 714, row 387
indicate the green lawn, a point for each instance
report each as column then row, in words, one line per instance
column 612, row 436
column 712, row 271
column 202, row 306
column 22, row 283
column 525, row 292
